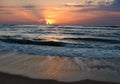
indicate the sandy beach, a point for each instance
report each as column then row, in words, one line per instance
column 28, row 69
column 13, row 79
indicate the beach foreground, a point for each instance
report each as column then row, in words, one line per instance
column 28, row 69
column 13, row 79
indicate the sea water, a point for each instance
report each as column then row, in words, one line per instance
column 61, row 49
column 62, row 40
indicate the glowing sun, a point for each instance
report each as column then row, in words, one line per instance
column 49, row 21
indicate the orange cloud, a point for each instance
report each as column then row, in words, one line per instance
column 56, row 15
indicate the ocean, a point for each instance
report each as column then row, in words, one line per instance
column 61, row 49
column 62, row 40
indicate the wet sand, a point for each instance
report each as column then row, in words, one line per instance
column 15, row 79
column 20, row 68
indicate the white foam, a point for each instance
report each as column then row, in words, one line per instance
column 60, row 68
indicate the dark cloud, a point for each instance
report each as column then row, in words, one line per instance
column 1, row 10
column 88, row 9
column 28, row 6
column 90, row 5
column 70, row 5
column 99, row 2
column 116, row 3
column 1, row 6
column 4, row 7
column 4, row 11
column 25, row 6
column 7, row 13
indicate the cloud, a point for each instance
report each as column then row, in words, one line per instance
column 3, row 10
column 96, row 5
column 99, row 2
column 24, row 10
column 73, row 5
column 28, row 6
column 116, row 3
column 8, row 13
column 25, row 6
column 92, row 3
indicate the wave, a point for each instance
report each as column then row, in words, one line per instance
column 44, row 43
column 60, row 68
column 113, row 26
column 10, row 39
column 74, row 42
column 94, row 40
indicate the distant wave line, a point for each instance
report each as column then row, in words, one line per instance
column 94, row 40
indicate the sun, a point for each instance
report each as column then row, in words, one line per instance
column 49, row 21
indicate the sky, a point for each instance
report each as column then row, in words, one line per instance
column 60, row 11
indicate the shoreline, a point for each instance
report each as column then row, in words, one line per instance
column 67, row 70
column 6, row 78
